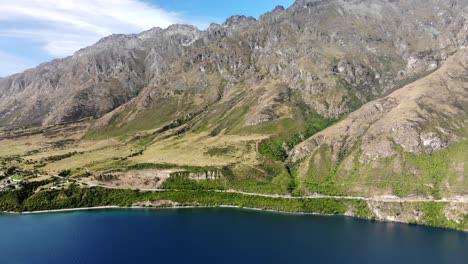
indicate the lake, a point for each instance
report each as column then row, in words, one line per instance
column 220, row 235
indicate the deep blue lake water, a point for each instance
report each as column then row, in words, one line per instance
column 220, row 236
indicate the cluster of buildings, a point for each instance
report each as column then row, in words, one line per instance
column 62, row 182
column 8, row 183
column 14, row 179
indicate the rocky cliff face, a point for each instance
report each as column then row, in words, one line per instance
column 423, row 116
column 417, row 131
column 335, row 55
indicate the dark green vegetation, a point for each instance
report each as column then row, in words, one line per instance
column 74, row 197
column 64, row 173
column 25, row 199
column 219, row 151
column 60, row 157
column 277, row 148
column 10, row 171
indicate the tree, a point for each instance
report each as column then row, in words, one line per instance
column 64, row 173
column 10, row 171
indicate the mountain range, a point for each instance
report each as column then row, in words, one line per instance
column 333, row 97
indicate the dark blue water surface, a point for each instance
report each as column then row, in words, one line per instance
column 220, row 236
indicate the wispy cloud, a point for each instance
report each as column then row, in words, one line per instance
column 11, row 63
column 62, row 27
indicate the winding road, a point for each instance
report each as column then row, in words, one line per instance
column 384, row 198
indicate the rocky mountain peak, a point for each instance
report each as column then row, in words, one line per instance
column 278, row 8
column 276, row 12
column 115, row 38
column 310, row 3
column 181, row 29
column 239, row 21
column 151, row 33
column 186, row 34
column 215, row 31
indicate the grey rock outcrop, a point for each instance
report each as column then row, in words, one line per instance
column 410, row 119
column 336, row 55
column 205, row 175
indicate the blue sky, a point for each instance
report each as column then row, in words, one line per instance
column 36, row 31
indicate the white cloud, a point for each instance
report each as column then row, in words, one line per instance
column 62, row 27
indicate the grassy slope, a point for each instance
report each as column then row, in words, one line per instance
column 344, row 159
column 440, row 174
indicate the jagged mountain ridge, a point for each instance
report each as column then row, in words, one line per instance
column 335, row 55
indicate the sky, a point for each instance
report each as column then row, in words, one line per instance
column 37, row 31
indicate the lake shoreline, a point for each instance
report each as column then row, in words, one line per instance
column 167, row 207
column 97, row 208
column 95, row 198
column 137, row 234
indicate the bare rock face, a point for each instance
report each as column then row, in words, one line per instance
column 336, row 55
column 407, row 136
column 409, row 143
column 410, row 119
column 207, row 175
column 433, row 141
